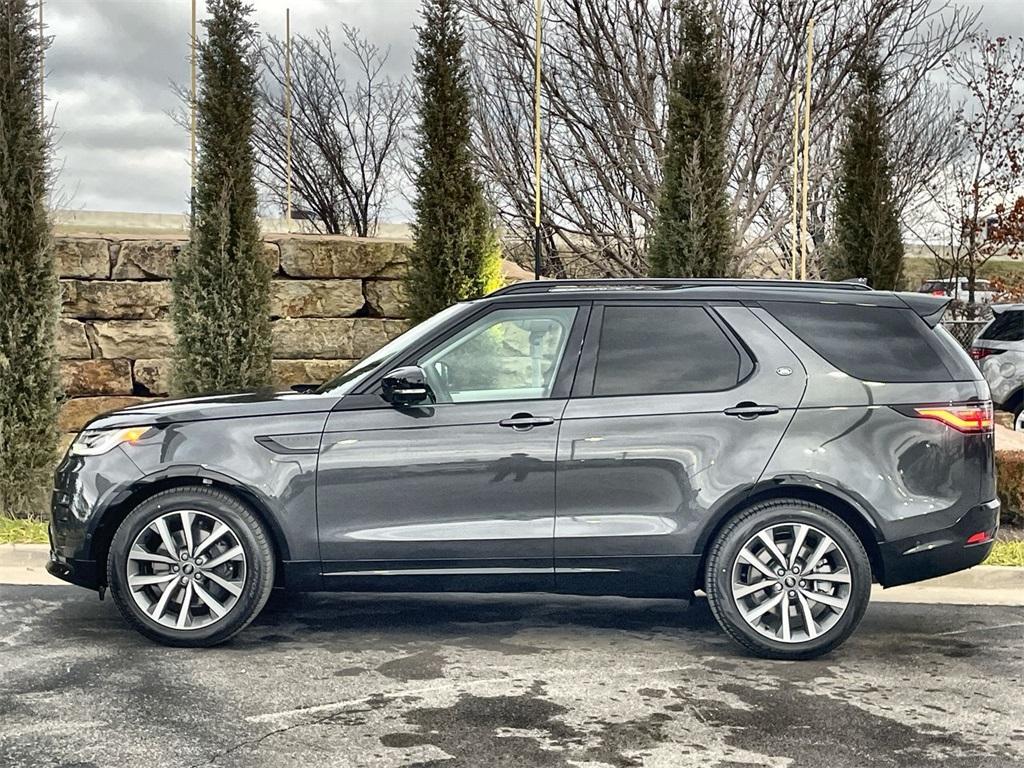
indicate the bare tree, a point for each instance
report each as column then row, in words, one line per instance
column 975, row 198
column 346, row 136
column 605, row 72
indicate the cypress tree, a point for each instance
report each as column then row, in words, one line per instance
column 456, row 254
column 867, row 230
column 692, row 234
column 222, row 281
column 28, row 280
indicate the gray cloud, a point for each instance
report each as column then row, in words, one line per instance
column 112, row 62
column 109, row 75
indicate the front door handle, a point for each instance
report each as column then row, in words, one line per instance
column 524, row 421
column 749, row 411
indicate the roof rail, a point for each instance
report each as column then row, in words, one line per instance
column 668, row 283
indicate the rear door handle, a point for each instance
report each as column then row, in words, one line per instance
column 524, row 421
column 751, row 410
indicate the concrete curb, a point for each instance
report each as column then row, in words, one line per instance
column 24, row 554
column 25, row 564
column 981, row 585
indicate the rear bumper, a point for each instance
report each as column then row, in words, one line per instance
column 82, row 573
column 937, row 553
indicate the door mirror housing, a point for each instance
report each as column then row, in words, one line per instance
column 406, row 386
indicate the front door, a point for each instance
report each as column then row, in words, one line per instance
column 673, row 419
column 458, row 492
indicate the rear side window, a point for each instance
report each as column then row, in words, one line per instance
column 1007, row 326
column 869, row 343
column 657, row 350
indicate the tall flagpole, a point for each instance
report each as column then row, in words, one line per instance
column 536, row 144
column 192, row 131
column 807, row 149
column 288, row 117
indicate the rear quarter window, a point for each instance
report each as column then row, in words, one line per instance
column 869, row 343
column 1006, row 326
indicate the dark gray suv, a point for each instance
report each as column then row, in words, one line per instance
column 779, row 445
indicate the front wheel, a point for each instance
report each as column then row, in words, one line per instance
column 788, row 579
column 190, row 567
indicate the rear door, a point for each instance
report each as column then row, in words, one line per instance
column 675, row 411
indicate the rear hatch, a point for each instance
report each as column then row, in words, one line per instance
column 893, row 403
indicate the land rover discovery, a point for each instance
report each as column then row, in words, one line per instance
column 779, row 445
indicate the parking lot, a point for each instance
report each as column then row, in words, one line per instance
column 468, row 680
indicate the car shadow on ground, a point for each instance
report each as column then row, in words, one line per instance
column 511, row 624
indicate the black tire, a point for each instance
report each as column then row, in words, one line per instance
column 251, row 535
column 1018, row 423
column 725, row 551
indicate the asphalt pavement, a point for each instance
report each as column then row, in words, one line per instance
column 528, row 680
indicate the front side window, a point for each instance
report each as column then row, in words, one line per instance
column 657, row 350
column 350, row 379
column 509, row 354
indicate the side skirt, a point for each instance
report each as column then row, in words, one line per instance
column 636, row 576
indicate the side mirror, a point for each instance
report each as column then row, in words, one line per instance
column 406, row 386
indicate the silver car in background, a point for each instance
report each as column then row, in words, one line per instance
column 959, row 289
column 999, row 352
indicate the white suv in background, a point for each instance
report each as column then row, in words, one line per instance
column 959, row 289
column 999, row 352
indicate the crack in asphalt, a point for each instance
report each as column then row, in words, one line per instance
column 255, row 742
column 971, row 630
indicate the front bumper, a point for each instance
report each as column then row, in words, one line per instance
column 84, row 488
column 937, row 553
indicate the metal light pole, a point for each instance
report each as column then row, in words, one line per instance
column 807, row 149
column 793, row 244
column 536, row 144
column 288, row 117
column 192, row 130
column 42, row 67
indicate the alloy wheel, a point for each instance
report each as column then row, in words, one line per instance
column 791, row 582
column 186, row 569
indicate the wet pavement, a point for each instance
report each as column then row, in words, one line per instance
column 467, row 680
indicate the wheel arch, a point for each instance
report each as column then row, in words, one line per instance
column 115, row 513
column 1014, row 401
column 847, row 509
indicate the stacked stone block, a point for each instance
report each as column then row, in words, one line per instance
column 333, row 301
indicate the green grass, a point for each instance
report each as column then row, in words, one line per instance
column 1007, row 553
column 22, row 531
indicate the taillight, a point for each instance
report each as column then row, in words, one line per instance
column 980, row 353
column 938, row 293
column 963, row 418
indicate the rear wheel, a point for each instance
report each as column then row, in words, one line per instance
column 788, row 579
column 190, row 567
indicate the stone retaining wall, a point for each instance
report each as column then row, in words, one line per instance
column 333, row 300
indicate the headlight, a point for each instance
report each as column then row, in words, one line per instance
column 93, row 442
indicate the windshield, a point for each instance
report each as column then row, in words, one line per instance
column 346, row 382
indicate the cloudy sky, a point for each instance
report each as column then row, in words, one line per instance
column 109, row 75
column 112, row 62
